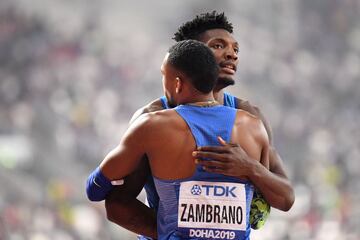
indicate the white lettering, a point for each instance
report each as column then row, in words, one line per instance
column 211, row 234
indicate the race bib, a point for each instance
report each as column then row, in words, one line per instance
column 211, row 208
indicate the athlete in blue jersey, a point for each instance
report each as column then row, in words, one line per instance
column 193, row 203
column 215, row 31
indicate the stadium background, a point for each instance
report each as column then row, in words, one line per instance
column 73, row 72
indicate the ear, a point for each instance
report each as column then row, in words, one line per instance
column 179, row 84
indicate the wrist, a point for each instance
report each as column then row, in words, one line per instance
column 255, row 171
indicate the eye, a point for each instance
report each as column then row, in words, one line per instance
column 218, row 46
column 236, row 50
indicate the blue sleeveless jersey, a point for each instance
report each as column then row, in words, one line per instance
column 152, row 196
column 205, row 205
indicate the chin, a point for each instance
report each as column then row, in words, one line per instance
column 225, row 81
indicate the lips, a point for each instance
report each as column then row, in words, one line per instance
column 228, row 67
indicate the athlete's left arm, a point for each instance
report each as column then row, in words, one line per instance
column 274, row 184
column 275, row 179
column 276, row 190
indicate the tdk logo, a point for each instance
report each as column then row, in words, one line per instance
column 196, row 190
column 210, row 190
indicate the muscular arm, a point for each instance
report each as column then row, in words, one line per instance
column 119, row 163
column 273, row 183
column 122, row 207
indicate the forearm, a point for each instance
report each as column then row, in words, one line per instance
column 275, row 187
column 123, row 209
column 121, row 204
column 131, row 214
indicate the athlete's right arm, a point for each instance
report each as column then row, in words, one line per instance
column 119, row 163
column 125, row 210
column 122, row 207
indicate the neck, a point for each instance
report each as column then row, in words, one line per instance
column 200, row 98
column 219, row 95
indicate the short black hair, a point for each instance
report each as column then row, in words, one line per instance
column 197, row 62
column 201, row 23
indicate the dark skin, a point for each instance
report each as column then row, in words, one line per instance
column 274, row 184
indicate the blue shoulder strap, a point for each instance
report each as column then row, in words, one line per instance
column 164, row 102
column 229, row 100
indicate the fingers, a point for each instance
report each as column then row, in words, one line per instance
column 221, row 141
column 223, row 148
column 211, row 164
column 224, row 143
column 221, row 168
column 211, row 155
column 217, row 149
column 214, row 170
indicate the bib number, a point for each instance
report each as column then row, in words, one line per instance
column 212, row 209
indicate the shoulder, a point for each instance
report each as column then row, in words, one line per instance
column 254, row 110
column 248, row 107
column 155, row 118
column 154, row 125
column 251, row 124
column 155, row 105
column 246, row 119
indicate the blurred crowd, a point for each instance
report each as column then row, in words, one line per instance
column 72, row 73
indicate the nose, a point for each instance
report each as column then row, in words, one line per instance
column 231, row 54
